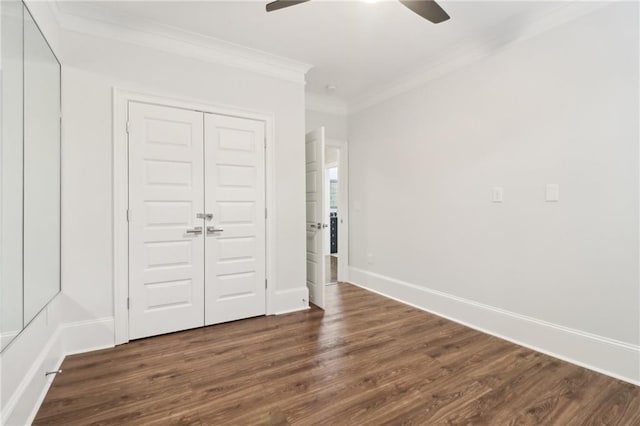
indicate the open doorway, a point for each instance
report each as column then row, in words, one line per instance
column 331, row 214
column 326, row 178
column 335, row 212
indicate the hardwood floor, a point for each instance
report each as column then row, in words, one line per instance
column 367, row 360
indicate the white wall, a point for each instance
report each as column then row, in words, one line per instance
column 559, row 108
column 87, row 109
column 335, row 125
column 84, row 310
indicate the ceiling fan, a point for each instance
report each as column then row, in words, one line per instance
column 428, row 9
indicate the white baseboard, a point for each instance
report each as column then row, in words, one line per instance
column 607, row 356
column 292, row 300
column 19, row 409
column 86, row 336
column 67, row 339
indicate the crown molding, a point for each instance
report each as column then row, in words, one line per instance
column 472, row 50
column 325, row 104
column 173, row 40
column 177, row 41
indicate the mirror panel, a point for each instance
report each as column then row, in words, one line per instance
column 11, row 318
column 30, row 171
column 41, row 273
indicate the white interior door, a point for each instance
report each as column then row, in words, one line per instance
column 166, row 249
column 316, row 222
column 235, row 235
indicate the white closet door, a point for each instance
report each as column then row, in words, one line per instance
column 314, row 154
column 235, row 241
column 166, row 270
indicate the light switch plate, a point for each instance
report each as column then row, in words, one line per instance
column 553, row 192
column 497, row 194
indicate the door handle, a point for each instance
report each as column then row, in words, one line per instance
column 213, row 230
column 318, row 225
column 195, row 231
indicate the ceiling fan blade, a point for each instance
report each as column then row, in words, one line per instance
column 281, row 4
column 428, row 9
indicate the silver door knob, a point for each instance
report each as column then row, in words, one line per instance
column 213, row 230
column 318, row 225
column 195, row 231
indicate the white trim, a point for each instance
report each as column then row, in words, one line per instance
column 23, row 363
column 87, row 336
column 42, row 395
column 30, row 385
column 97, row 21
column 343, row 206
column 471, row 50
column 272, row 249
column 617, row 359
column 291, row 300
column 120, row 225
column 325, row 104
column 121, row 98
column 67, row 339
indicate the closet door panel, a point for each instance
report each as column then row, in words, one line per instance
column 166, row 284
column 235, row 241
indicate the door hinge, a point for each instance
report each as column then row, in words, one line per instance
column 128, row 215
column 265, row 212
column 265, row 283
column 265, row 142
column 128, row 304
column 128, row 126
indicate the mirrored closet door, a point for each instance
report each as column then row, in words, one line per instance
column 30, row 173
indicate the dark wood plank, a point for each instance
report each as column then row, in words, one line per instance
column 365, row 360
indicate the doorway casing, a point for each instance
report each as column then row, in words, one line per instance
column 121, row 99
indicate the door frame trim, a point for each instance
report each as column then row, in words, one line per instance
column 120, row 180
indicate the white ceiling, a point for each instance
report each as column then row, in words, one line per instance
column 356, row 46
